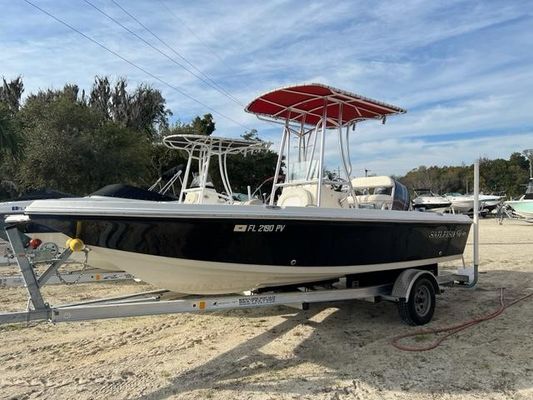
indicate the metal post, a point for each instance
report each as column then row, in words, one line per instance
column 278, row 165
column 230, row 190
column 26, row 269
column 186, row 178
column 222, row 175
column 473, row 275
column 308, row 176
column 476, row 213
column 205, row 174
column 288, row 154
column 322, row 146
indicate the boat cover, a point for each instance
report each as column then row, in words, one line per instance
column 306, row 104
column 43, row 194
column 130, row 192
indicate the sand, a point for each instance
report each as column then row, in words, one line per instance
column 333, row 351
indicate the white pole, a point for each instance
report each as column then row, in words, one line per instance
column 321, row 159
column 278, row 165
column 476, row 214
column 186, row 178
column 249, row 192
column 205, row 173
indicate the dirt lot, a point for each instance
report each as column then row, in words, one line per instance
column 339, row 351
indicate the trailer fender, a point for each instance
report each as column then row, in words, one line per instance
column 404, row 283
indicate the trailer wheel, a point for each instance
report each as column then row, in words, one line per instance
column 418, row 309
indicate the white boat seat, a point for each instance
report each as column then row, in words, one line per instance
column 295, row 197
column 191, row 198
column 253, row 202
column 210, row 197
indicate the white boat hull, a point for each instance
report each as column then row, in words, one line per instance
column 523, row 208
column 216, row 249
column 201, row 277
column 96, row 260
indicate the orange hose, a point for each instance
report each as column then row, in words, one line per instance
column 452, row 330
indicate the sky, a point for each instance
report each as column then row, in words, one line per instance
column 462, row 69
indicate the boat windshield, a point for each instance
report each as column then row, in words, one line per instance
column 197, row 181
column 303, row 171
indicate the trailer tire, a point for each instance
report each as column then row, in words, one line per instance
column 418, row 309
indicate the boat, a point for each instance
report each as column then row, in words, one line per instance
column 200, row 149
column 464, row 203
column 490, row 202
column 18, row 205
column 308, row 233
column 426, row 200
column 524, row 206
column 381, row 192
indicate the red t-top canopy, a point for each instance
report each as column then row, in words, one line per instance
column 307, row 102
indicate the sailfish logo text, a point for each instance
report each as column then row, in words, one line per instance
column 447, row 234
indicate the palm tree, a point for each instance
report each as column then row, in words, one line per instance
column 11, row 93
column 9, row 139
column 10, row 97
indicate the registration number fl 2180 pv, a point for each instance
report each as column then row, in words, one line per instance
column 259, row 228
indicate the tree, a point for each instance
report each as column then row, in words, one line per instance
column 10, row 140
column 10, row 152
column 10, row 97
column 203, row 126
column 250, row 135
column 70, row 148
column 11, row 94
column 247, row 170
column 496, row 176
column 142, row 110
column 100, row 96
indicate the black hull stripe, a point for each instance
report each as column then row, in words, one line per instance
column 267, row 242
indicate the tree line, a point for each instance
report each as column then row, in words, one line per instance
column 77, row 142
column 499, row 176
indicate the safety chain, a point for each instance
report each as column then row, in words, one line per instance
column 85, row 265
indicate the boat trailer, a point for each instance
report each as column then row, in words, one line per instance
column 413, row 290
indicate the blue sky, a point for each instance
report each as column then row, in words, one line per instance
column 462, row 69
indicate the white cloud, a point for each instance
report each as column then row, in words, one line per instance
column 457, row 66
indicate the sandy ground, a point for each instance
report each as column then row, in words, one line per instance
column 335, row 351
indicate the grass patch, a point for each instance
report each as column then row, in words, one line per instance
column 11, row 327
column 422, row 338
